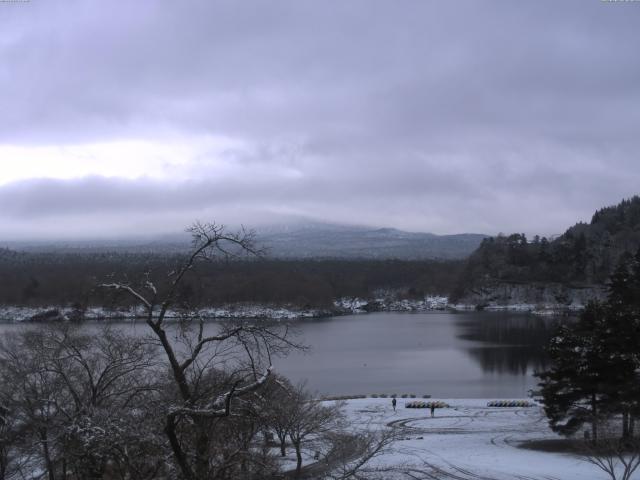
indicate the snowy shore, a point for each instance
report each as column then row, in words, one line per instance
column 389, row 304
column 341, row 306
column 469, row 440
column 55, row 313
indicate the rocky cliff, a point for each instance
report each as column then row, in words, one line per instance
column 555, row 297
column 565, row 272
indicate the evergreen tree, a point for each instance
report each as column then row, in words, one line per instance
column 621, row 283
column 573, row 389
column 596, row 361
column 622, row 339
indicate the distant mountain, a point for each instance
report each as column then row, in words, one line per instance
column 301, row 240
column 318, row 240
column 580, row 259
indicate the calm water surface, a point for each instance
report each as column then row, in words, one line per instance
column 474, row 354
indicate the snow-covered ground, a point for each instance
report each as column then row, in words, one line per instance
column 469, row 441
column 536, row 309
column 19, row 313
column 390, row 304
column 240, row 310
column 341, row 306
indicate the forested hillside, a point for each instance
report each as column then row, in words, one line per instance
column 504, row 269
column 585, row 255
column 316, row 240
column 40, row 279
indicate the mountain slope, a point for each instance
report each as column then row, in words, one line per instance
column 334, row 241
column 301, row 240
column 580, row 260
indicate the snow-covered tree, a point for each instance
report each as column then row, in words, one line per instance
column 74, row 396
column 212, row 374
column 310, row 419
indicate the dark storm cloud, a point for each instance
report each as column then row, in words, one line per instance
column 440, row 116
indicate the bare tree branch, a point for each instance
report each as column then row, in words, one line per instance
column 130, row 291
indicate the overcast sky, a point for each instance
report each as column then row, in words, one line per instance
column 437, row 116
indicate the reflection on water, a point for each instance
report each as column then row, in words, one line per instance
column 471, row 354
column 444, row 354
column 504, row 343
column 514, row 360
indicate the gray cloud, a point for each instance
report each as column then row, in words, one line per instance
column 425, row 115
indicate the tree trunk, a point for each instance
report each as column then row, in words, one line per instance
column 594, row 421
column 632, row 425
column 283, row 447
column 47, row 455
column 202, row 457
column 178, row 373
column 625, row 425
column 176, row 447
column 297, row 445
column 4, row 461
column 247, row 438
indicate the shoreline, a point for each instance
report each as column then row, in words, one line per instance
column 342, row 306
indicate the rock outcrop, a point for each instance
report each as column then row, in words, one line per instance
column 532, row 296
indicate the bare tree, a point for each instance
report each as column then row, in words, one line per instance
column 190, row 400
column 12, row 457
column 352, row 454
column 73, row 396
column 242, row 351
column 340, row 452
column 619, row 459
column 310, row 420
column 279, row 402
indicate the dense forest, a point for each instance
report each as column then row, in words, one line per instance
column 585, row 254
column 40, row 279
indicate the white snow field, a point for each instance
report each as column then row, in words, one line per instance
column 469, row 441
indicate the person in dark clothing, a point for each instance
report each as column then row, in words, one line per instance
column 393, row 403
column 433, row 409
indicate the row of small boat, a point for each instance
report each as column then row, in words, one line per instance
column 421, row 404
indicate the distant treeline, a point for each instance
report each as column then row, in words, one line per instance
column 586, row 253
column 39, row 279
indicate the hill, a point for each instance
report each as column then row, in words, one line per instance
column 318, row 240
column 296, row 240
column 569, row 269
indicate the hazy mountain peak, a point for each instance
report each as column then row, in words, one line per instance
column 301, row 239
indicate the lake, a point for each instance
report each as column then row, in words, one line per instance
column 442, row 354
